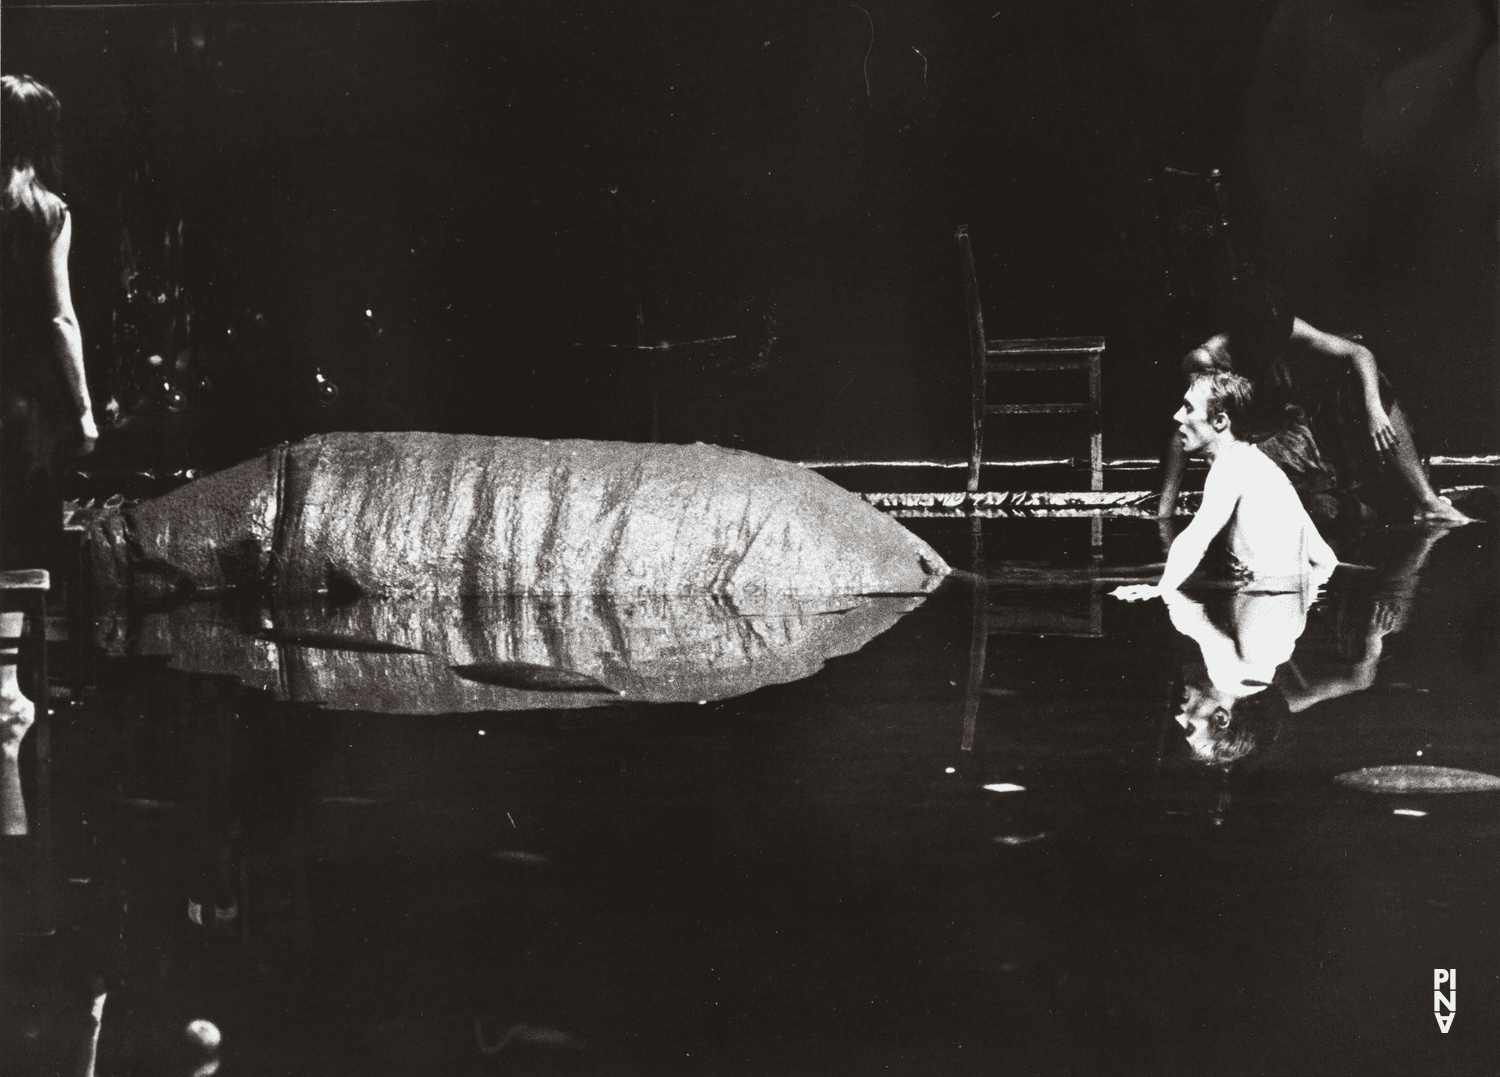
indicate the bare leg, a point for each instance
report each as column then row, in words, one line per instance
column 82, row 1029
column 1174, row 463
column 16, row 715
column 1432, row 508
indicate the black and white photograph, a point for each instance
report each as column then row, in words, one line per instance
column 749, row 538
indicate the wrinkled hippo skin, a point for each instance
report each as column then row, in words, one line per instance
column 439, row 515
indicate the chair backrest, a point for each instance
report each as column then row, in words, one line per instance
column 977, row 343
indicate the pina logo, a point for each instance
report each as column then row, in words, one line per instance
column 1440, row 1001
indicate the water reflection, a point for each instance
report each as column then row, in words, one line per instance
column 410, row 656
column 748, row 886
column 1254, row 669
column 1231, row 704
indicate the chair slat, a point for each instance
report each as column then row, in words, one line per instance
column 25, row 579
column 1037, row 364
column 1046, row 346
column 1036, row 409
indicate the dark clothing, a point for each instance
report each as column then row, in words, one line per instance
column 1293, row 447
column 37, row 418
column 1311, row 419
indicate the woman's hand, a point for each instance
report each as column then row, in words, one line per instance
column 1382, row 433
column 88, row 432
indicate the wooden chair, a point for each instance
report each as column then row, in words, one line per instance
column 1026, row 355
column 27, row 588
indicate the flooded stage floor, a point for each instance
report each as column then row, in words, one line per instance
column 811, row 878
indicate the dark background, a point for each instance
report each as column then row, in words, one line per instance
column 529, row 199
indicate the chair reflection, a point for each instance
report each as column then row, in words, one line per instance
column 1015, row 598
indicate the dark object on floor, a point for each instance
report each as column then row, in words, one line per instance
column 530, row 678
column 333, row 641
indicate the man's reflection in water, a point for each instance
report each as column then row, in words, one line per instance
column 1256, row 668
column 1232, row 704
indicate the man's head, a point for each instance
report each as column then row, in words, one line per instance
column 1222, row 729
column 1212, row 407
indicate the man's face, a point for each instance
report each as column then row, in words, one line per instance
column 1203, row 718
column 1194, row 428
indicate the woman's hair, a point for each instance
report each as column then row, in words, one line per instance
column 1258, row 320
column 30, row 150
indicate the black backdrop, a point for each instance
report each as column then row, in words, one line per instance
column 491, row 217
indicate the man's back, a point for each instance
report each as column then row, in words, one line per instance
column 1270, row 535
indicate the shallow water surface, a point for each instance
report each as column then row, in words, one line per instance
column 805, row 872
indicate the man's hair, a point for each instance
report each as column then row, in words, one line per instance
column 1228, row 394
column 1255, row 725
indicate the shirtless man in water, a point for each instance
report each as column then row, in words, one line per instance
column 1273, row 543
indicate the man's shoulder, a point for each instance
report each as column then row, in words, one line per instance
column 1246, row 458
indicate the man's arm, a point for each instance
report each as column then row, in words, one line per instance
column 1221, row 495
column 1382, row 433
column 1319, row 554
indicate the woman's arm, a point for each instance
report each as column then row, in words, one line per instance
column 67, row 340
column 1362, row 360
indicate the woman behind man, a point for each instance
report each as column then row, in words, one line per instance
column 45, row 411
column 1324, row 412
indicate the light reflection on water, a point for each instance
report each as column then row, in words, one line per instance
column 812, row 877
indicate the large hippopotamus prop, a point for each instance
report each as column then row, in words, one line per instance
column 443, row 515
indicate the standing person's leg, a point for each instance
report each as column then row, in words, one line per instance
column 1174, row 464
column 1431, row 507
column 1348, row 424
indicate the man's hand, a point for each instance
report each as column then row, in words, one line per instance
column 88, row 432
column 1136, row 592
column 1382, row 433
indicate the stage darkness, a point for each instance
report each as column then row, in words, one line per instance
column 730, row 223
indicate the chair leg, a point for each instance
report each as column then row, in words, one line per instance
column 979, row 635
column 41, row 731
column 976, row 441
column 1096, row 431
